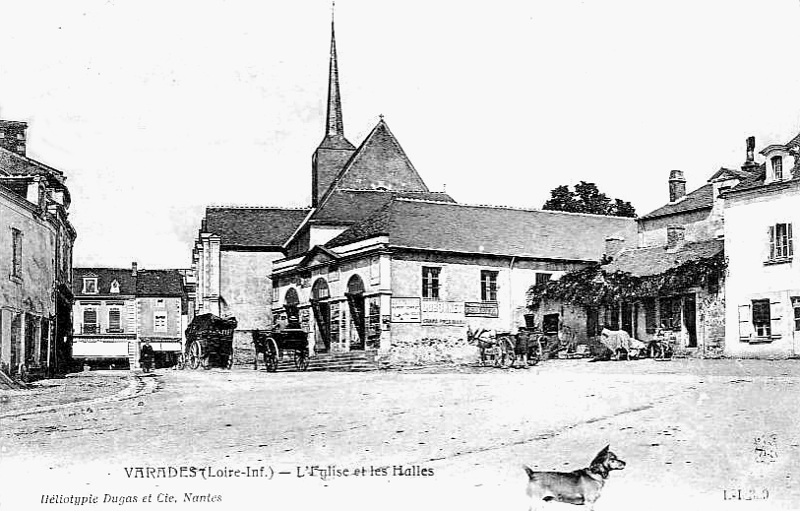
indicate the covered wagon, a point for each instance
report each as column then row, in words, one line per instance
column 209, row 342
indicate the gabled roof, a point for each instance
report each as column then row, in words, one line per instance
column 701, row 198
column 346, row 206
column 643, row 262
column 725, row 173
column 318, row 254
column 756, row 180
column 490, row 230
column 379, row 162
column 105, row 276
column 159, row 283
column 252, row 226
column 15, row 164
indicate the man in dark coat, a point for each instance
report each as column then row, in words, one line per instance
column 147, row 355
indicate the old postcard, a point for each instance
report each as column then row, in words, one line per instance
column 399, row 255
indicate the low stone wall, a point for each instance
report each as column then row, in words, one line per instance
column 428, row 351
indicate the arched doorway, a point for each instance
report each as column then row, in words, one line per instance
column 322, row 314
column 355, row 300
column 291, row 304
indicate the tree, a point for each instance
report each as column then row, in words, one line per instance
column 587, row 199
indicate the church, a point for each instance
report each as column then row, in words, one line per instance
column 381, row 264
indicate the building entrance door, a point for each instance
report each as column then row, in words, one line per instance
column 796, row 325
column 322, row 315
column 357, row 305
column 690, row 319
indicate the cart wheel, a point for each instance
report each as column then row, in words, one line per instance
column 301, row 360
column 194, row 356
column 271, row 355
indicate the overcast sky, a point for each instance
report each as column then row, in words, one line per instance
column 156, row 109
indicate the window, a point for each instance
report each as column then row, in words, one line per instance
column 16, row 251
column 430, row 282
column 777, row 168
column 796, row 307
column 114, row 321
column 780, row 242
column 90, row 321
column 114, row 287
column 670, row 313
column 761, row 318
column 90, row 286
column 541, row 278
column 488, row 286
column 159, row 322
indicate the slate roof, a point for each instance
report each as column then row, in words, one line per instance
column 701, row 198
column 18, row 185
column 145, row 283
column 491, row 230
column 347, row 206
column 378, row 162
column 159, row 283
column 756, row 180
column 105, row 276
column 253, row 227
column 643, row 262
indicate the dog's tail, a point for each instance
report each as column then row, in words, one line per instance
column 528, row 470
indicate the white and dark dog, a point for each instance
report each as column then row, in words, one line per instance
column 581, row 487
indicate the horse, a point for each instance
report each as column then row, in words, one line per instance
column 621, row 344
column 500, row 348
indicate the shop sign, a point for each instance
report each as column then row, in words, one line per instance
column 481, row 309
column 442, row 313
column 405, row 310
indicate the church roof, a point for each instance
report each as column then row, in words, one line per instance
column 346, row 206
column 489, row 230
column 253, row 226
column 379, row 162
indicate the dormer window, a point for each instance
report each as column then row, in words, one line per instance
column 777, row 168
column 114, row 287
column 90, row 285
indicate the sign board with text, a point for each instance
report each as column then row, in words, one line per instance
column 405, row 310
column 442, row 313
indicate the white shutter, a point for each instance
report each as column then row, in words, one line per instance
column 745, row 323
column 771, row 235
column 775, row 315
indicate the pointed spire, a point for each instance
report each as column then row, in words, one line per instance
column 334, row 124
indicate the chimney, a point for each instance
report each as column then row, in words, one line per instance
column 614, row 246
column 677, row 185
column 13, row 136
column 750, row 164
column 134, row 268
column 676, row 235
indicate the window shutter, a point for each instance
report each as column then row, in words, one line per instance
column 771, row 235
column 745, row 325
column 775, row 318
column 789, row 239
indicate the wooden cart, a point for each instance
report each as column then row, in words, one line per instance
column 274, row 344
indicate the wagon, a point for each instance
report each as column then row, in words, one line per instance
column 274, row 344
column 209, row 342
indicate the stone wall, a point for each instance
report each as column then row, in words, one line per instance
column 429, row 351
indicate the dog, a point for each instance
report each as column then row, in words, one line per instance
column 581, row 487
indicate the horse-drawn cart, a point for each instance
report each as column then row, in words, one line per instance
column 209, row 342
column 274, row 344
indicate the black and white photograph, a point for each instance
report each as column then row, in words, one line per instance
column 357, row 255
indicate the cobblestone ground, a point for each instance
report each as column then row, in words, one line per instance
column 695, row 435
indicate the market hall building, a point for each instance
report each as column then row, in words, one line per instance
column 380, row 263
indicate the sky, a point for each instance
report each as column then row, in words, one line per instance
column 155, row 110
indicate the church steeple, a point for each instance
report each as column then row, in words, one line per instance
column 334, row 123
column 334, row 150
